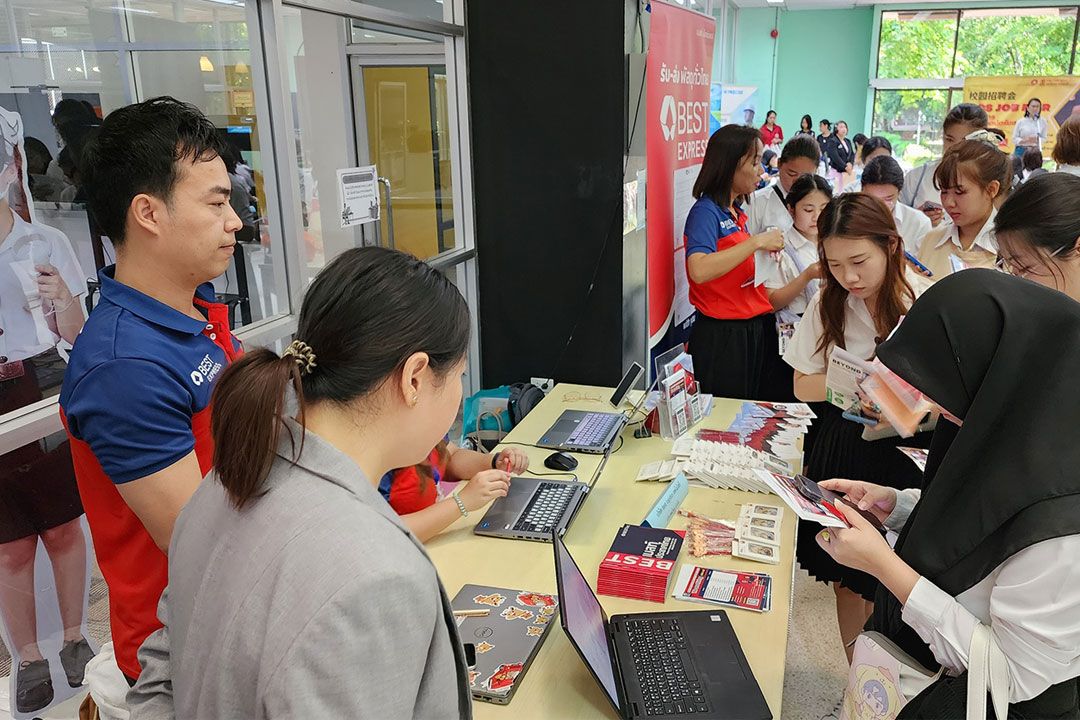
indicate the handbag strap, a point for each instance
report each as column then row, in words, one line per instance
column 986, row 670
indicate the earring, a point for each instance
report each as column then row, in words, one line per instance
column 414, row 400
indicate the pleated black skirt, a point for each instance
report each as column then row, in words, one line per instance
column 740, row 359
column 838, row 451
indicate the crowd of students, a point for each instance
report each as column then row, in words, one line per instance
column 925, row 272
column 338, row 444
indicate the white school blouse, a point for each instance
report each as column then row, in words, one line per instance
column 1031, row 603
column 797, row 255
column 912, row 225
column 919, row 186
column 860, row 335
column 767, row 210
column 1029, row 126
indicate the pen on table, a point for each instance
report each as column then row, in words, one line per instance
column 480, row 612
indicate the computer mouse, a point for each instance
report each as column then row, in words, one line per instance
column 560, row 461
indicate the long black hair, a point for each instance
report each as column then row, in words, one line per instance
column 1027, row 106
column 364, row 315
column 727, row 147
column 806, row 124
column 805, row 185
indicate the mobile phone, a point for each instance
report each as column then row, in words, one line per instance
column 859, row 419
column 815, row 493
column 930, row 205
column 922, row 268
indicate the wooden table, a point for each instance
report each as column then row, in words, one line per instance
column 558, row 685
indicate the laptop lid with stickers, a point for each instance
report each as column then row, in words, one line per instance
column 506, row 639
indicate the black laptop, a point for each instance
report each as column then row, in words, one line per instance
column 663, row 664
column 587, row 431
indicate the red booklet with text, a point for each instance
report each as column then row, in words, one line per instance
column 640, row 563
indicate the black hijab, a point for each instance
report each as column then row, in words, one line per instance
column 1003, row 355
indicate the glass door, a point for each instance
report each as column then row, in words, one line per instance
column 403, row 129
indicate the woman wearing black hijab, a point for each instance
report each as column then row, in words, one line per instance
column 995, row 535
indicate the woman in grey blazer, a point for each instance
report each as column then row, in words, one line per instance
column 295, row 591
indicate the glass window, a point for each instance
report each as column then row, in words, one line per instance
column 917, row 44
column 911, row 120
column 428, row 9
column 394, row 114
column 98, row 60
column 1015, row 41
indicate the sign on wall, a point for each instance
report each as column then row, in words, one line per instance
column 679, row 73
column 1005, row 98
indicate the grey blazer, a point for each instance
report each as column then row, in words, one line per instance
column 314, row 601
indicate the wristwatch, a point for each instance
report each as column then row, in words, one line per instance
column 460, row 504
column 495, row 461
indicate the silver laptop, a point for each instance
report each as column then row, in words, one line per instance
column 505, row 640
column 586, row 431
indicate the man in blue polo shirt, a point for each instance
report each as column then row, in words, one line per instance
column 136, row 396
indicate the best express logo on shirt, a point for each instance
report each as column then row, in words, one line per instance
column 206, row 372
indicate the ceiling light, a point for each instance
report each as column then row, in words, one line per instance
column 96, row 69
column 205, row 65
column 775, row 2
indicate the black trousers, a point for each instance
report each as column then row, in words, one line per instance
column 740, row 359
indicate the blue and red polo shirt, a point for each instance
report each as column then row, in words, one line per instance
column 711, row 228
column 136, row 399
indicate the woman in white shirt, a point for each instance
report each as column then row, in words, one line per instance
column 768, row 207
column 1030, row 131
column 972, row 177
column 884, row 179
column 1038, row 232
column 920, row 191
column 796, row 279
column 865, row 292
column 992, row 538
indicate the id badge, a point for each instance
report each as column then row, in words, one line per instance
column 12, row 370
column 784, row 332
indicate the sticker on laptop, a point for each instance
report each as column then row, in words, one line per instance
column 531, row 599
column 494, row 599
column 473, row 674
column 513, row 613
column 534, row 631
column 483, row 647
column 547, row 611
column 503, row 678
column 542, row 619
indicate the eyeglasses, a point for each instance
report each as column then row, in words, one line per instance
column 1011, row 267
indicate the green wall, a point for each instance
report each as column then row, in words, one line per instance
column 821, row 67
column 754, row 54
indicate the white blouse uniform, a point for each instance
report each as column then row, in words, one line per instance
column 21, row 337
column 767, row 210
column 919, row 187
column 1070, row 169
column 860, row 335
column 1031, row 603
column 912, row 225
column 797, row 255
column 1030, row 127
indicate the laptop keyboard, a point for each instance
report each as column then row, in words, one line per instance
column 546, row 507
column 665, row 668
column 592, row 430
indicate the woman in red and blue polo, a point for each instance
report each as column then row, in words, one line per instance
column 734, row 340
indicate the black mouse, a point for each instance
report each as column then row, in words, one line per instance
column 560, row 461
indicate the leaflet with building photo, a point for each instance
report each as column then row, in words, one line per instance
column 843, row 379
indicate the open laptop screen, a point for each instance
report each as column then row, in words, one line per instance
column 583, row 619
